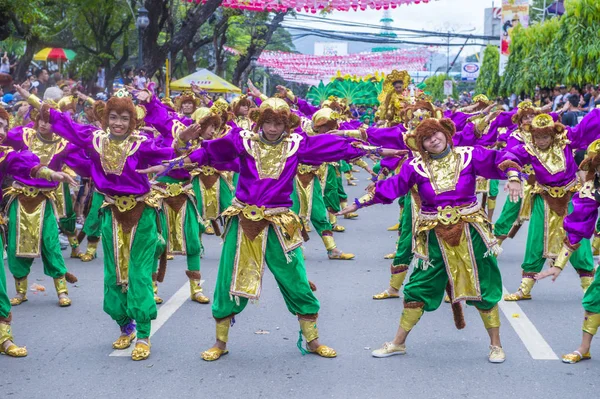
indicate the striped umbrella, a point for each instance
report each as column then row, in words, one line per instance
column 54, row 54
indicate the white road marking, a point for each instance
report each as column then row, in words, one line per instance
column 165, row 311
column 532, row 339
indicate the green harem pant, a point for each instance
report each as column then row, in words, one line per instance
column 291, row 277
column 429, row 286
column 494, row 188
column 331, row 194
column 318, row 213
column 404, row 253
column 591, row 298
column 67, row 224
column 4, row 300
column 508, row 217
column 52, row 258
column 137, row 302
column 93, row 223
column 582, row 258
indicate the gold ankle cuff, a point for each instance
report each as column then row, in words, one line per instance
column 223, row 329
column 591, row 322
column 491, row 318
column 329, row 242
column 5, row 333
column 410, row 317
column 309, row 329
column 526, row 286
column 21, row 286
column 397, row 279
column 61, row 286
column 73, row 241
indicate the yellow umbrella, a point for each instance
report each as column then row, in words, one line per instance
column 206, row 80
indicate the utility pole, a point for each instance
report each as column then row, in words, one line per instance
column 448, row 54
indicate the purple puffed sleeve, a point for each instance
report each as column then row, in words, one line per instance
column 388, row 137
column 159, row 116
column 580, row 223
column 460, row 119
column 220, row 151
column 307, row 109
column 586, row 131
column 80, row 135
column 386, row 191
column 315, row 150
column 493, row 164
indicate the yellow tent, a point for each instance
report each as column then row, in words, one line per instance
column 206, row 80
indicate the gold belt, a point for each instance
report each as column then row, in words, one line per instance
column 450, row 214
column 173, row 189
column 29, row 191
column 557, row 192
column 256, row 213
column 124, row 203
column 305, row 169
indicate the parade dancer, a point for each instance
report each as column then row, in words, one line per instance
column 550, row 153
column 32, row 211
column 579, row 225
column 131, row 240
column 452, row 235
column 261, row 230
column 20, row 165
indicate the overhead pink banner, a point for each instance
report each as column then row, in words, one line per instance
column 314, row 6
column 306, row 68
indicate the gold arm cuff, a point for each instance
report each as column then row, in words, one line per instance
column 491, row 318
column 365, row 199
column 591, row 322
column 34, row 101
column 290, row 95
column 410, row 318
column 512, row 175
column 309, row 329
column 352, row 133
column 563, row 256
column 90, row 101
column 45, row 173
column 263, row 97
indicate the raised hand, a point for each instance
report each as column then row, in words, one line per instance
column 515, row 190
column 64, row 178
column 349, row 209
column 157, row 169
column 553, row 271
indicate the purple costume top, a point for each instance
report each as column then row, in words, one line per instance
column 267, row 170
column 17, row 164
column 580, row 223
column 113, row 162
column 447, row 181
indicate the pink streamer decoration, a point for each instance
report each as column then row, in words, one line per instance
column 313, row 6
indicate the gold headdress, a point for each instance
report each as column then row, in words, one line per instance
column 523, row 109
column 391, row 103
column 326, row 116
column 274, row 109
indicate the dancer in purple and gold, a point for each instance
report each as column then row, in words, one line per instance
column 261, row 229
column 453, row 238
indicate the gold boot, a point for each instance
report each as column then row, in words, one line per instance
column 491, row 207
column 21, row 288
column 126, row 338
column 586, row 278
column 309, row 329
column 74, row 243
column 336, row 227
column 524, row 291
column 330, row 246
column 596, row 245
column 391, row 255
column 395, row 227
column 62, row 291
column 209, row 230
column 411, row 314
column 350, row 215
column 141, row 351
column 157, row 299
column 214, row 353
column 11, row 350
column 396, row 280
column 90, row 252
column 196, row 294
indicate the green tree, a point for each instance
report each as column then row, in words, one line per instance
column 488, row 81
column 435, row 86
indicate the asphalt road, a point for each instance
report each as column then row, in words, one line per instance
column 69, row 348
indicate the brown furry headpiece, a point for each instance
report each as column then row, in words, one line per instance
column 326, row 117
column 241, row 101
column 185, row 97
column 482, row 102
column 274, row 109
column 428, row 128
column 591, row 161
column 206, row 117
column 4, row 115
column 121, row 102
column 543, row 125
column 414, row 114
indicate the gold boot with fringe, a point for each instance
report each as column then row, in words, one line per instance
column 330, row 246
column 308, row 329
column 21, row 288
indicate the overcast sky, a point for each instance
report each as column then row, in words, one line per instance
column 438, row 15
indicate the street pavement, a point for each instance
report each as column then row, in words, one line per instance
column 70, row 348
